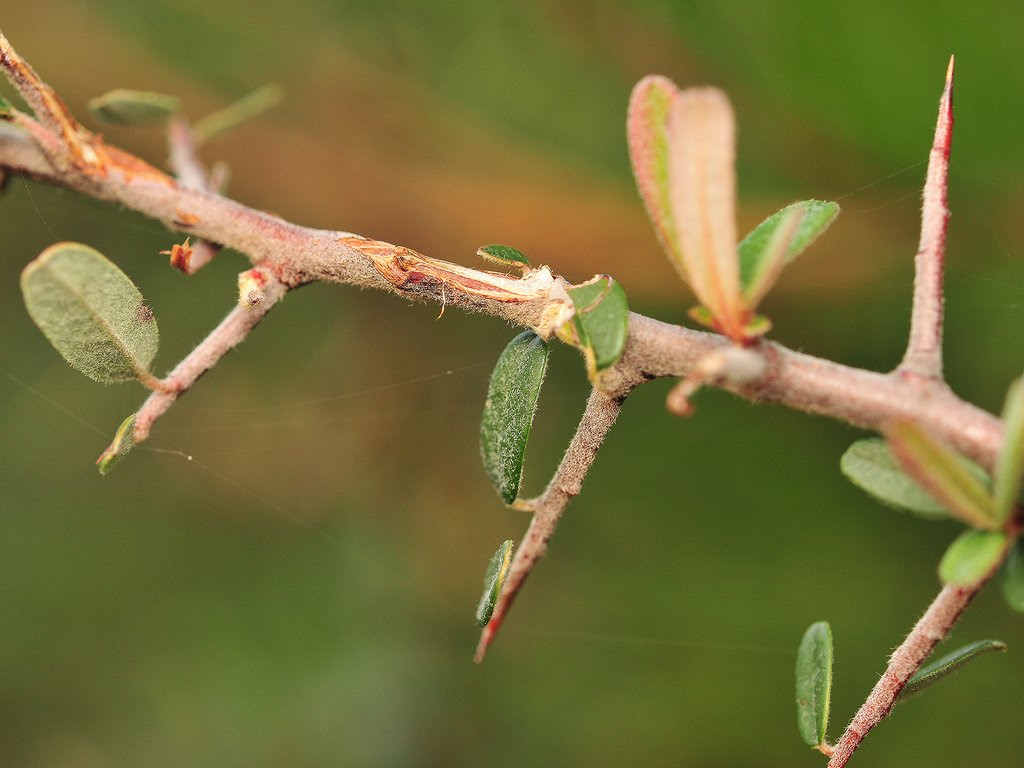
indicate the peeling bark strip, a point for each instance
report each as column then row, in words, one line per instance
column 412, row 272
column 405, row 268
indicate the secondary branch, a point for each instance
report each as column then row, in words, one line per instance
column 597, row 420
column 929, row 631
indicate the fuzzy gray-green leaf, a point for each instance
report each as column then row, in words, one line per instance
column 127, row 107
column 509, row 409
column 870, row 465
column 1013, row 577
column 930, row 674
column 814, row 683
column 1006, row 480
column 494, row 579
column 971, row 557
column 90, row 312
column 602, row 321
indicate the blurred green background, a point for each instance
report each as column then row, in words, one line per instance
column 301, row 592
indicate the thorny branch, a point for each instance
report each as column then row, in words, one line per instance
column 923, row 359
column 54, row 148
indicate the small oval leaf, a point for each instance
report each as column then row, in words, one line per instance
column 1013, row 577
column 90, row 312
column 814, row 683
column 505, row 255
column 971, row 557
column 601, row 321
column 127, row 107
column 1006, row 481
column 943, row 473
column 497, row 570
column 509, row 409
column 817, row 216
column 870, row 465
column 930, row 674
column 123, row 442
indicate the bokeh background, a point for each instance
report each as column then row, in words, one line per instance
column 301, row 592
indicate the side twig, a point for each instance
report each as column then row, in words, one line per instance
column 924, row 349
column 929, row 631
column 232, row 331
column 597, row 420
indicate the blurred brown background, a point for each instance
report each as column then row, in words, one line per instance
column 301, row 592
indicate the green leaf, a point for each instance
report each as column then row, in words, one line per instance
column 755, row 265
column 505, row 255
column 497, row 570
column 91, row 312
column 601, row 321
column 249, row 106
column 971, row 557
column 814, row 683
column 930, row 674
column 127, row 107
column 870, row 465
column 1010, row 462
column 943, row 473
column 123, row 442
column 508, row 411
column 1013, row 577
column 5, row 107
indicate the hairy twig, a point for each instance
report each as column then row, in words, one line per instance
column 598, row 418
column 924, row 350
column 929, row 631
